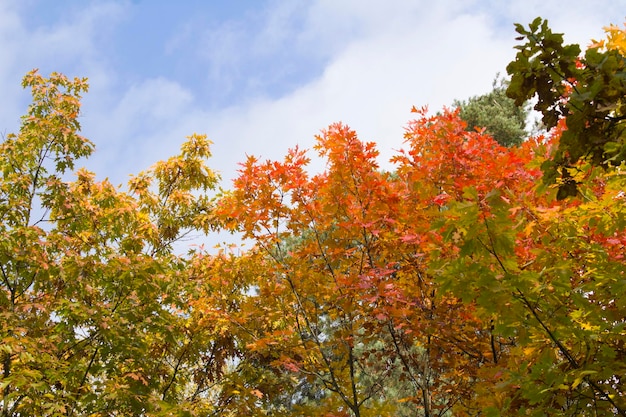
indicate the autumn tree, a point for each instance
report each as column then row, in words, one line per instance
column 93, row 301
column 548, row 274
column 547, row 269
column 445, row 165
column 342, row 293
column 310, row 238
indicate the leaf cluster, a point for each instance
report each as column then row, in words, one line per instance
column 587, row 92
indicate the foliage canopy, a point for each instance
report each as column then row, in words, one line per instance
column 587, row 92
column 464, row 283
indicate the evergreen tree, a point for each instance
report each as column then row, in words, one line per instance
column 497, row 113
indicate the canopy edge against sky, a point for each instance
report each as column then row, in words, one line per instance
column 260, row 77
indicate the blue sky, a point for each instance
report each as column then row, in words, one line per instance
column 262, row 76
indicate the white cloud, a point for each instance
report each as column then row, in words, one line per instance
column 9, row 54
column 66, row 46
column 392, row 55
column 69, row 44
column 372, row 84
column 152, row 100
column 380, row 59
column 146, row 124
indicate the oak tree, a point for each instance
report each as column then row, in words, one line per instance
column 587, row 91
